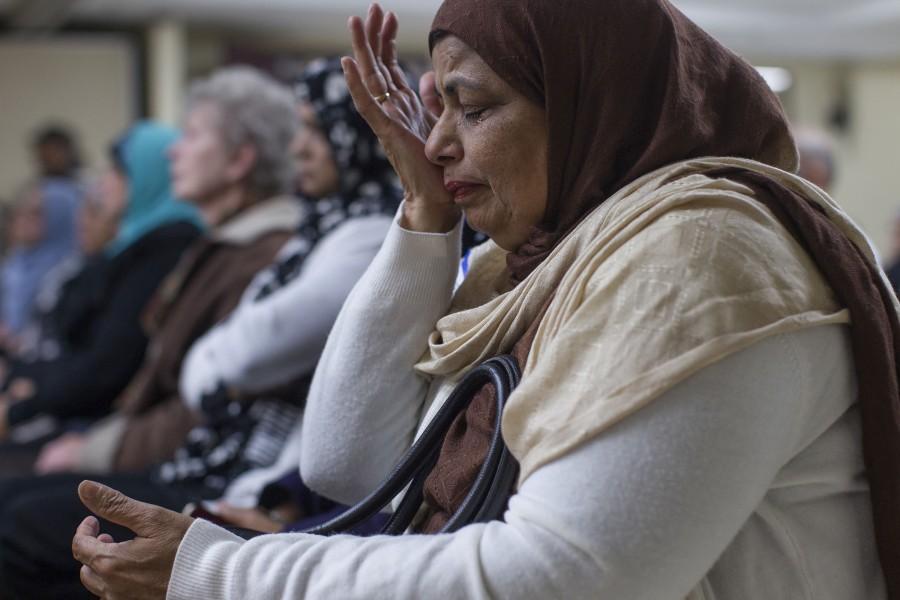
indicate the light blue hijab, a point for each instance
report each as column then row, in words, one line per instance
column 141, row 154
column 25, row 267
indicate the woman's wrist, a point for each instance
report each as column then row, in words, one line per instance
column 425, row 217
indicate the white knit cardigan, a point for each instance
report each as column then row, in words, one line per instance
column 744, row 480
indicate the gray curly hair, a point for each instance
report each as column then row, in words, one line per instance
column 253, row 108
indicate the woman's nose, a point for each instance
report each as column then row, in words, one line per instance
column 302, row 148
column 442, row 146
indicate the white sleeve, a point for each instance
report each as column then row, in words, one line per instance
column 642, row 511
column 365, row 399
column 272, row 342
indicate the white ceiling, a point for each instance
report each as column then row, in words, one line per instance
column 802, row 28
column 842, row 29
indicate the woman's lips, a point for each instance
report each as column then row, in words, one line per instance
column 461, row 189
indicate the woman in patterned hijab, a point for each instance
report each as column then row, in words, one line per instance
column 341, row 163
column 342, row 174
column 342, row 171
column 359, row 179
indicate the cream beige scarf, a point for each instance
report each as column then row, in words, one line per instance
column 669, row 275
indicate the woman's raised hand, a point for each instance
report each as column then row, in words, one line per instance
column 399, row 118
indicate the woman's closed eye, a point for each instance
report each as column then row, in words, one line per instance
column 474, row 115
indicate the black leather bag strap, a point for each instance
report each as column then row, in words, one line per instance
column 488, row 496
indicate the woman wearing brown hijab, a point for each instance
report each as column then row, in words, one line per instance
column 687, row 424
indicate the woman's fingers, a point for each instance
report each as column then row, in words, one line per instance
column 370, row 110
column 430, row 98
column 86, row 547
column 389, row 53
column 375, row 74
column 389, row 49
column 387, row 35
column 386, row 75
column 374, row 21
column 140, row 517
column 372, row 76
column 92, row 581
column 395, row 72
column 375, row 52
column 89, row 526
column 374, row 27
column 362, row 51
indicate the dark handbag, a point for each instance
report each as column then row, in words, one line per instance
column 488, row 496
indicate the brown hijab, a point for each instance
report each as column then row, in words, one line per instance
column 628, row 86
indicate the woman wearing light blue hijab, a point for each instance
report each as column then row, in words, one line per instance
column 150, row 200
column 141, row 202
column 98, row 317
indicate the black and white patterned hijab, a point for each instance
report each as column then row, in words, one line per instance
column 367, row 182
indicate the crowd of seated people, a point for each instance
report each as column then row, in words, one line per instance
column 40, row 235
column 86, row 340
column 268, row 309
column 39, row 227
column 283, row 198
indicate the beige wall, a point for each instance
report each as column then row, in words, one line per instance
column 85, row 82
column 868, row 152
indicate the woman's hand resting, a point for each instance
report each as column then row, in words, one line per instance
column 61, row 455
column 137, row 569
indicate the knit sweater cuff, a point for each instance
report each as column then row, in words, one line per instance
column 203, row 563
column 409, row 260
column 433, row 244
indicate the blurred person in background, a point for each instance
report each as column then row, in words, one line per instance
column 58, row 160
column 350, row 192
column 248, row 375
column 818, row 165
column 56, row 152
column 233, row 164
column 6, row 213
column 42, row 233
column 90, row 341
column 98, row 222
column 817, row 159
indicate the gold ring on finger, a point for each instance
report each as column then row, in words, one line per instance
column 382, row 98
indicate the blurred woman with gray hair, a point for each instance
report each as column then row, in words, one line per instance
column 233, row 163
column 249, row 374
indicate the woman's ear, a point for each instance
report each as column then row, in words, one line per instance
column 241, row 163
